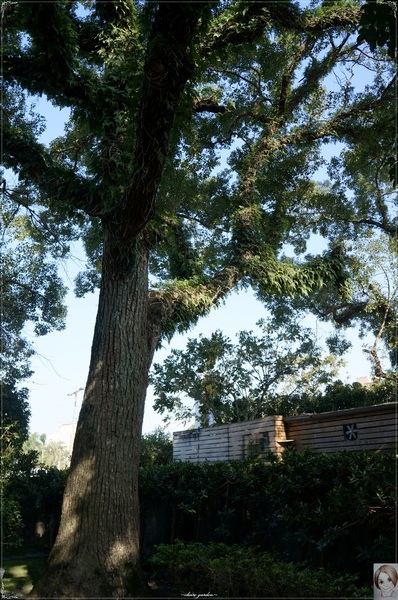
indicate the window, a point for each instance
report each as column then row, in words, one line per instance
column 255, row 444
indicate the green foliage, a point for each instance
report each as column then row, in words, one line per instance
column 51, row 454
column 11, row 516
column 12, row 523
column 219, row 382
column 370, row 300
column 31, row 491
column 156, row 448
column 334, row 509
column 15, row 411
column 14, row 463
column 37, row 494
column 236, row 185
column 336, row 396
column 331, row 510
column 245, row 572
column 233, row 186
column 378, row 25
column 32, row 291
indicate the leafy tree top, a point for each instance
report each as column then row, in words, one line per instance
column 217, row 381
column 195, row 130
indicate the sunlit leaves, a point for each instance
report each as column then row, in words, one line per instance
column 217, row 381
column 236, row 185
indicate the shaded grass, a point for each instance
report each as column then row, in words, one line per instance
column 21, row 574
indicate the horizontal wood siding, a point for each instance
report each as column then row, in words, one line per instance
column 228, row 442
column 367, row 428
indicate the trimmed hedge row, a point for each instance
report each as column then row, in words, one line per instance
column 332, row 510
column 244, row 572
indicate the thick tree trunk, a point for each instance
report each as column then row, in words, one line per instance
column 96, row 553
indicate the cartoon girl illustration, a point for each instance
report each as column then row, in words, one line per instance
column 386, row 579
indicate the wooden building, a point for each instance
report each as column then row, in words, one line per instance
column 371, row 428
column 365, row 428
column 229, row 442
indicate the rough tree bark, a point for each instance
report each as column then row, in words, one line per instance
column 96, row 553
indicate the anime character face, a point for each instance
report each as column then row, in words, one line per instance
column 386, row 579
column 385, row 584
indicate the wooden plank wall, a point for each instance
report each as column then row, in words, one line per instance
column 367, row 428
column 229, row 442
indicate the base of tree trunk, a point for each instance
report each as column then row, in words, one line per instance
column 85, row 580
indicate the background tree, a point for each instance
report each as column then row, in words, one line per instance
column 15, row 462
column 336, row 396
column 370, row 302
column 217, row 382
column 32, row 292
column 194, row 133
column 15, row 410
column 373, row 299
column 51, row 454
column 156, row 448
column 378, row 25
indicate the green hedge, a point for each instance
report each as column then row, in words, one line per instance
column 244, row 572
column 332, row 510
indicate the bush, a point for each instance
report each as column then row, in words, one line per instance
column 245, row 572
column 156, row 448
column 38, row 495
column 333, row 510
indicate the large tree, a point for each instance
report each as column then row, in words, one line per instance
column 194, row 131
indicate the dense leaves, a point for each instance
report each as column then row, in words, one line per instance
column 336, row 396
column 15, row 410
column 32, row 291
column 219, row 382
column 369, row 302
column 235, row 571
column 246, row 170
column 156, row 448
column 332, row 510
column 378, row 25
column 49, row 454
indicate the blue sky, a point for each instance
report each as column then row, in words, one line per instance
column 62, row 360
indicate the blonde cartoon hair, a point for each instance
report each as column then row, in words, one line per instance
column 389, row 571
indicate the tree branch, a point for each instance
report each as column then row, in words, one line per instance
column 167, row 69
column 251, row 20
column 33, row 162
column 390, row 229
column 181, row 305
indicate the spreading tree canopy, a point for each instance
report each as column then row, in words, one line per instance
column 187, row 164
column 218, row 382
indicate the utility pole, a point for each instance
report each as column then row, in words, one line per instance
column 72, row 433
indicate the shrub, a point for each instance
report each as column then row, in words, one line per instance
column 156, row 448
column 245, row 572
column 333, row 510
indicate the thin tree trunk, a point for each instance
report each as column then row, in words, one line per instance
column 96, row 553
